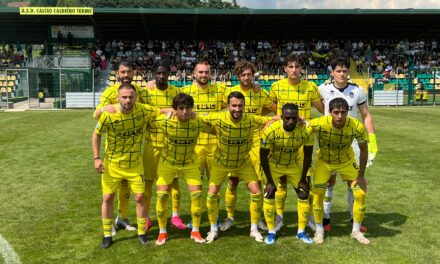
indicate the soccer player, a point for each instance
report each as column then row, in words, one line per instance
column 286, row 150
column 256, row 101
column 357, row 101
column 124, row 74
column 234, row 131
column 122, row 161
column 161, row 96
column 335, row 134
column 208, row 98
column 177, row 158
column 297, row 91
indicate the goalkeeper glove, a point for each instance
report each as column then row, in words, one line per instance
column 372, row 146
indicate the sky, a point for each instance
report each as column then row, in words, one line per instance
column 331, row 4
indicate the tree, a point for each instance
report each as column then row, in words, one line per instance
column 63, row 3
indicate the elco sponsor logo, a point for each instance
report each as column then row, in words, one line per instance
column 205, row 106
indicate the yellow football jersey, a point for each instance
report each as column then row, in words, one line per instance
column 110, row 95
column 235, row 139
column 160, row 99
column 180, row 138
column 284, row 145
column 302, row 95
column 335, row 144
column 124, row 134
column 254, row 101
column 206, row 101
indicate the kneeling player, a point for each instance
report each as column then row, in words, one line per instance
column 286, row 150
column 335, row 135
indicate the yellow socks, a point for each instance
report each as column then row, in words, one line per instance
column 255, row 207
column 280, row 197
column 141, row 225
column 107, row 227
column 196, row 208
column 162, row 208
column 212, row 207
column 231, row 200
column 269, row 213
column 359, row 204
column 303, row 208
column 175, row 194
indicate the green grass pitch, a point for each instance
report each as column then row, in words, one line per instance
column 50, row 200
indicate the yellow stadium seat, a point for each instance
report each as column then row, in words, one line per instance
column 11, row 83
column 144, row 84
column 112, row 78
column 401, row 76
column 10, row 90
column 139, row 83
column 282, row 77
column 111, row 83
column 2, row 78
column 315, row 77
column 309, row 77
column 3, row 90
column 415, row 81
column 266, row 77
column 431, row 81
column 113, row 72
column 228, row 83
column 271, row 77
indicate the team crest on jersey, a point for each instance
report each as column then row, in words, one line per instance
column 351, row 94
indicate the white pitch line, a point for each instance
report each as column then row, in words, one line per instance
column 8, row 253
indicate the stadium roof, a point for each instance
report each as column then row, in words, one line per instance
column 234, row 24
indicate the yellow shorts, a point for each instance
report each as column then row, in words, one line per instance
column 151, row 159
column 112, row 177
column 167, row 173
column 322, row 172
column 205, row 157
column 292, row 172
column 244, row 172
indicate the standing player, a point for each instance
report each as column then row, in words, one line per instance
column 357, row 101
column 296, row 91
column 335, row 134
column 208, row 98
column 234, row 130
column 256, row 101
column 177, row 158
column 124, row 74
column 123, row 161
column 286, row 150
column 161, row 96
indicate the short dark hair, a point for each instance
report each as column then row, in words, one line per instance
column 237, row 95
column 162, row 64
column 183, row 99
column 127, row 85
column 289, row 106
column 338, row 103
column 124, row 63
column 292, row 58
column 341, row 62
